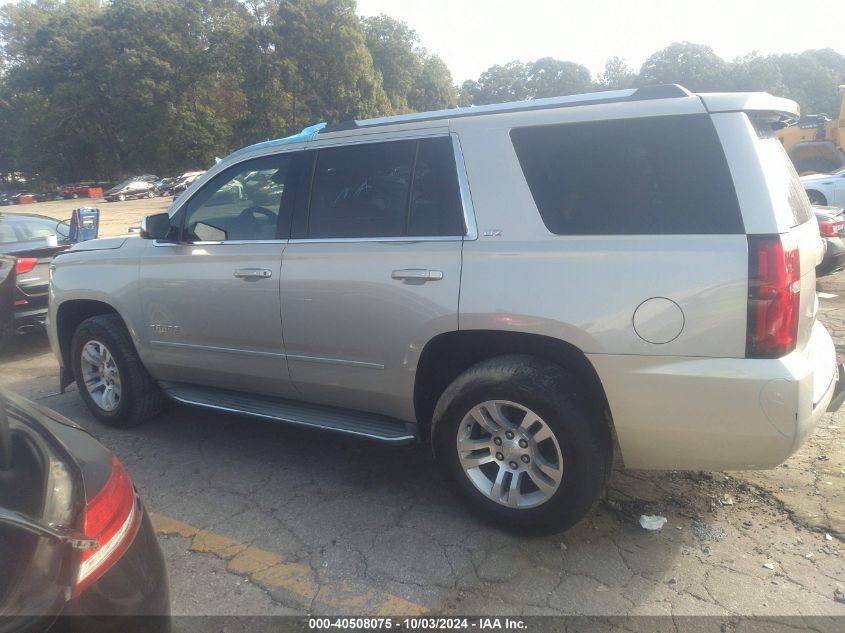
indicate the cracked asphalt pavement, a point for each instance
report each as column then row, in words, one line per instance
column 257, row 518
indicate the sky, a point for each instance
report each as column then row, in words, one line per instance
column 472, row 35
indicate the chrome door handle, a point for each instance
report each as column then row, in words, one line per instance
column 417, row 274
column 253, row 273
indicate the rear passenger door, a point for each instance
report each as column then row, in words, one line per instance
column 372, row 271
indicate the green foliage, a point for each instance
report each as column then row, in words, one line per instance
column 617, row 75
column 498, row 84
column 332, row 75
column 396, row 56
column 433, row 88
column 811, row 78
column 101, row 90
column 413, row 79
column 516, row 81
column 694, row 66
column 548, row 77
column 93, row 89
column 756, row 72
column 97, row 91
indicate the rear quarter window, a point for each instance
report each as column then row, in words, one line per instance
column 782, row 180
column 656, row 175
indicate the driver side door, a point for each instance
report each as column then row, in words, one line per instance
column 211, row 299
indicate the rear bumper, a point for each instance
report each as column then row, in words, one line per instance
column 30, row 317
column 33, row 313
column 839, row 390
column 133, row 596
column 717, row 413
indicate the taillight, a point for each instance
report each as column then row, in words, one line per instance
column 831, row 228
column 774, row 297
column 25, row 264
column 112, row 517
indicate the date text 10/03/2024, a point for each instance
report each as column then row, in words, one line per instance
column 418, row 624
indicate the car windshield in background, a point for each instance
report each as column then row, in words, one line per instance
column 26, row 229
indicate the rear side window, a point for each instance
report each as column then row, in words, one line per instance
column 435, row 199
column 656, row 175
column 392, row 189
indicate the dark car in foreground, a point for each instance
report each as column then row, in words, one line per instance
column 33, row 240
column 832, row 230
column 75, row 539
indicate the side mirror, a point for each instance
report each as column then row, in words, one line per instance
column 156, row 227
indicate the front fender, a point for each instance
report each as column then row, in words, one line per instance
column 87, row 283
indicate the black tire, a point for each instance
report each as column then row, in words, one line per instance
column 817, row 197
column 74, row 196
column 140, row 397
column 554, row 395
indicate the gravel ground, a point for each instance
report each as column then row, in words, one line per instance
column 116, row 218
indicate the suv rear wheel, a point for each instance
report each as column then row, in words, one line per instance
column 523, row 447
column 109, row 375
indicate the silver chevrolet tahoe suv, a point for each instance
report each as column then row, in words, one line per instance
column 524, row 285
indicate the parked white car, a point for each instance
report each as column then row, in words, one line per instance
column 826, row 189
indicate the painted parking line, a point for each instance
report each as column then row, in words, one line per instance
column 297, row 579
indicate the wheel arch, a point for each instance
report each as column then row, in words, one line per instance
column 448, row 355
column 68, row 317
column 818, row 192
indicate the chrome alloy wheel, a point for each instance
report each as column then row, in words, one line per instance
column 510, row 454
column 101, row 375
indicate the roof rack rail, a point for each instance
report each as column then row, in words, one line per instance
column 661, row 91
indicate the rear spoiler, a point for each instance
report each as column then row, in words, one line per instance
column 759, row 105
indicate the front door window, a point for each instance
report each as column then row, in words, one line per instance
column 241, row 203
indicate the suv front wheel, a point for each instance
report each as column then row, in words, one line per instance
column 516, row 436
column 109, row 375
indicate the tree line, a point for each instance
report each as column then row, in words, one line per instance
column 811, row 78
column 94, row 89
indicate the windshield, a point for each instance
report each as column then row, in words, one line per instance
column 29, row 229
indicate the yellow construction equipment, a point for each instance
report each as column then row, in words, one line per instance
column 815, row 143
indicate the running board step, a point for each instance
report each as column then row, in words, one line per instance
column 368, row 425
